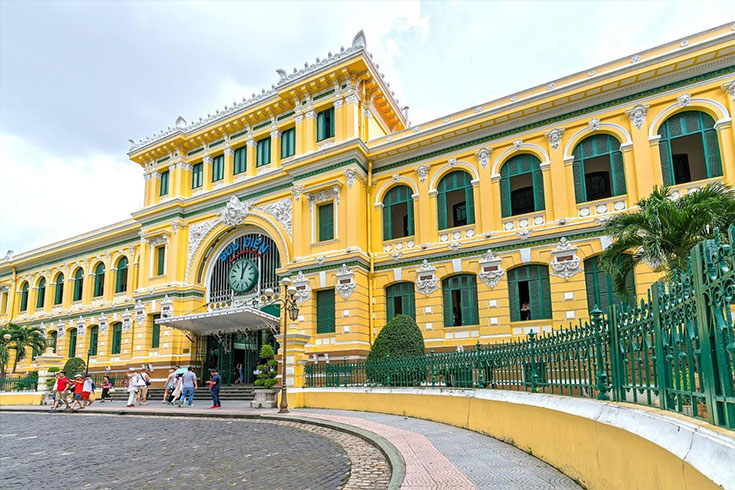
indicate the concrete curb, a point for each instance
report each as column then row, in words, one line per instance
column 394, row 457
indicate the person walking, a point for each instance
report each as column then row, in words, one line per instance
column 61, row 392
column 189, row 384
column 214, row 386
column 168, row 387
column 143, row 392
column 134, row 385
column 87, row 391
column 240, row 374
column 106, row 386
column 178, row 387
column 78, row 385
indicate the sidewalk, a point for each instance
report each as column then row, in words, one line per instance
column 436, row 455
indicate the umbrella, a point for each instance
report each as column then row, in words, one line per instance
column 180, row 371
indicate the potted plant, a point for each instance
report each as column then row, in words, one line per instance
column 265, row 391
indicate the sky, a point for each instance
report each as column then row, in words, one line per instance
column 78, row 79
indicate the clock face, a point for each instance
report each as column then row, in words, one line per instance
column 243, row 275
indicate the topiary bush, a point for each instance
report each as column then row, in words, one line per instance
column 51, row 379
column 73, row 366
column 399, row 340
column 267, row 371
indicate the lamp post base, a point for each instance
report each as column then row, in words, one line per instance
column 284, row 402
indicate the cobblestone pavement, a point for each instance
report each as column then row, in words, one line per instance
column 443, row 456
column 101, row 451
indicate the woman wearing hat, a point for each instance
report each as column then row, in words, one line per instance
column 77, row 387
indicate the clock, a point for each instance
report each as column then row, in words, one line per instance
column 243, row 275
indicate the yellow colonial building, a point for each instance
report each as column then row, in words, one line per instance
column 484, row 225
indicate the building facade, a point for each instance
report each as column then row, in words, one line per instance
column 483, row 225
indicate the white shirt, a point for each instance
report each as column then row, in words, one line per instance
column 87, row 385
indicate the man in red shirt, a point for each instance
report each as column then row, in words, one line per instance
column 62, row 390
column 78, row 384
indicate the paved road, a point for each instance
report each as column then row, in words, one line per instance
column 101, row 451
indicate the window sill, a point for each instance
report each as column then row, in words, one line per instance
column 527, row 326
column 526, row 220
column 326, row 242
column 603, row 206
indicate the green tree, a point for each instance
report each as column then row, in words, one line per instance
column 268, row 370
column 73, row 366
column 4, row 350
column 23, row 337
column 663, row 230
column 399, row 338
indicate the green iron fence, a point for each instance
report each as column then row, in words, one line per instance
column 674, row 350
column 19, row 383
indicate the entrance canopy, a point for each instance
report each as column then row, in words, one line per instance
column 237, row 319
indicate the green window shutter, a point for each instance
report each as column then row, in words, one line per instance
column 441, row 209
column 326, row 222
column 240, row 160
column 545, row 291
column 78, row 285
column 538, row 190
column 156, row 333
column 218, row 168
column 72, row 342
column 160, row 260
column 196, row 175
column 163, row 188
column 580, row 193
column 617, row 173
column 513, row 298
column 448, row 306
column 288, row 143
column 325, row 311
column 387, row 224
column 712, row 153
column 330, row 121
column 505, row 197
column 320, row 126
column 403, row 291
column 41, row 293
column 409, row 205
column 116, row 338
column 121, row 280
column 469, row 197
column 470, row 314
column 264, row 152
column 667, row 169
column 590, row 279
column 99, row 280
column 24, row 298
column 59, row 290
column 93, row 335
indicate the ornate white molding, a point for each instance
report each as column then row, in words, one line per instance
column 167, row 307
column 729, row 88
column 102, row 322
column 519, row 145
column 127, row 320
column 426, row 281
column 282, row 211
column 323, row 195
column 718, row 108
column 565, row 263
column 423, row 172
column 303, row 291
column 582, row 133
column 350, row 175
column 554, row 137
column 235, row 211
column 483, row 156
column 491, row 269
column 139, row 312
column 81, row 327
column 637, row 115
column 684, row 100
column 60, row 330
column 197, row 232
column 594, row 124
column 296, row 191
column 345, row 281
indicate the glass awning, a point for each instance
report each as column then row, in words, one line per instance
column 237, row 319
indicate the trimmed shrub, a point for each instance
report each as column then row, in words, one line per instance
column 73, row 366
column 398, row 355
column 267, row 371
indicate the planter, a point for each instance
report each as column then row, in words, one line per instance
column 265, row 398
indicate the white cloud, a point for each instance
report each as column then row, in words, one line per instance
column 46, row 199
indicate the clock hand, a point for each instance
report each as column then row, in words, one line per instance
column 242, row 272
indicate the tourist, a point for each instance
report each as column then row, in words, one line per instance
column 135, row 383
column 143, row 390
column 214, row 386
column 78, row 387
column 106, row 387
column 525, row 312
column 87, row 391
column 178, row 387
column 168, row 387
column 240, row 374
column 189, row 384
column 61, row 391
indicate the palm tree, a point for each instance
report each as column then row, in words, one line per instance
column 4, row 350
column 23, row 337
column 664, row 229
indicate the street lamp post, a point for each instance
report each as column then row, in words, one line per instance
column 290, row 307
column 86, row 365
column 6, row 338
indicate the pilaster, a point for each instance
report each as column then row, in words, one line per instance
column 173, row 180
column 299, row 130
column 275, row 148
column 229, row 164
column 207, row 172
column 350, row 116
column 558, row 175
column 251, row 158
column 309, row 139
column 339, row 119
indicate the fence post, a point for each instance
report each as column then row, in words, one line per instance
column 601, row 375
column 387, row 368
column 658, row 340
column 534, row 375
column 613, row 352
column 477, row 363
column 431, row 358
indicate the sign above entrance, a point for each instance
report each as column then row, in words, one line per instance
column 250, row 243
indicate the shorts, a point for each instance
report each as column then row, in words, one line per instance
column 85, row 395
column 77, row 396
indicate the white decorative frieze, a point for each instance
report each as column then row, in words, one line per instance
column 323, row 196
column 282, row 211
column 565, row 262
column 345, row 281
column 296, row 190
column 139, row 312
column 554, row 137
column 491, row 269
column 483, row 156
column 81, row 327
column 729, row 88
column 235, row 211
column 426, row 281
column 60, row 330
column 167, row 307
column 637, row 115
column 303, row 291
column 350, row 175
column 102, row 322
column 127, row 320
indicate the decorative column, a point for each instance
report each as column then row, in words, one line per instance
column 558, row 175
column 351, row 112
column 207, row 172
column 110, row 273
column 250, row 157
column 275, row 146
column 229, row 162
column 339, row 120
column 637, row 163
column 309, row 128
column 173, row 179
column 485, row 216
column 299, row 130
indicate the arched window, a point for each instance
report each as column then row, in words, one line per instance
column 398, row 213
column 529, row 293
column 41, row 297
column 78, row 284
column 116, row 338
column 51, row 342
column 400, row 300
column 521, row 185
column 460, row 300
column 24, row 297
column 121, row 282
column 72, row 342
column 93, row 337
column 455, row 200
column 689, row 149
column 59, row 289
column 600, row 287
column 99, row 280
column 598, row 168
